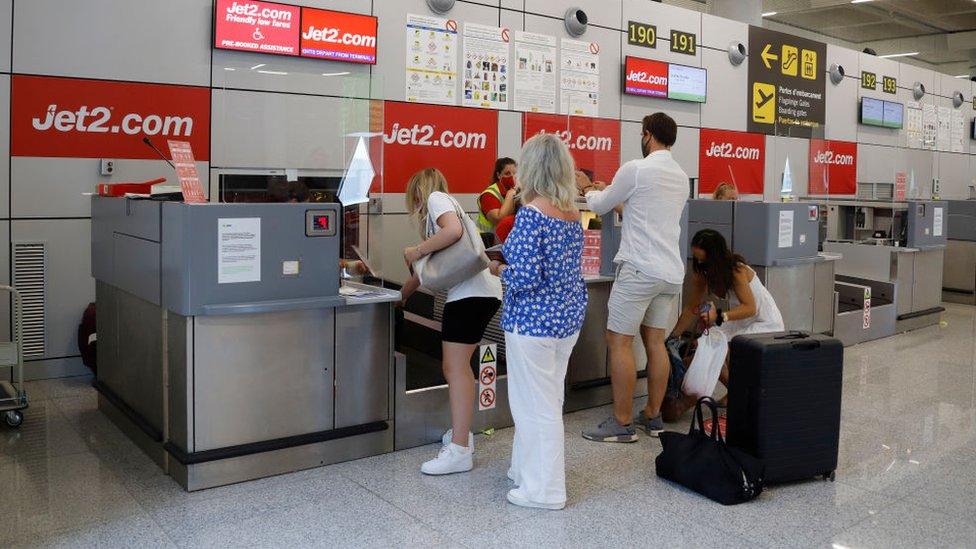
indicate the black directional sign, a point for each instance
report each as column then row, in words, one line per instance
column 787, row 84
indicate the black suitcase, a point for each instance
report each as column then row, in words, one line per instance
column 784, row 402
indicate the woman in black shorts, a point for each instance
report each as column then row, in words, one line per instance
column 470, row 307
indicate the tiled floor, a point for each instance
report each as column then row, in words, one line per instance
column 907, row 478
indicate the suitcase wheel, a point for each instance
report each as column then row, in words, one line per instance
column 830, row 476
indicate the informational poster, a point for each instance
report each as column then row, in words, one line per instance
column 937, row 221
column 832, row 167
column 930, row 126
column 901, row 185
column 486, row 66
column 487, row 376
column 238, row 250
column 914, row 124
column 958, row 138
column 786, row 229
column 432, row 73
column 181, row 154
column 579, row 79
column 787, row 84
column 535, row 72
column 338, row 36
column 460, row 142
column 943, row 138
column 264, row 27
column 731, row 157
column 593, row 142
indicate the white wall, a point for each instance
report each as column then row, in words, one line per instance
column 264, row 121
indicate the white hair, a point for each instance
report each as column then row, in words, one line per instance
column 546, row 169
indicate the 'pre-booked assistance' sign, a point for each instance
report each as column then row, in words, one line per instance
column 787, row 93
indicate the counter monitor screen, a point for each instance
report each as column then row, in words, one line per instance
column 687, row 83
column 645, row 77
column 893, row 115
column 973, row 132
column 262, row 27
column 872, row 111
column 338, row 36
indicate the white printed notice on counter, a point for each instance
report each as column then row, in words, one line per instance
column 238, row 250
column 958, row 139
column 535, row 72
column 486, row 68
column 432, row 73
column 579, row 80
column 937, row 222
column 786, row 229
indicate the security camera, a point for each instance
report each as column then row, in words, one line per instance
column 957, row 99
column 836, row 73
column 440, row 6
column 737, row 53
column 576, row 21
column 918, row 91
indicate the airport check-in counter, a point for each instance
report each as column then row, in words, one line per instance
column 780, row 242
column 901, row 271
column 229, row 349
column 959, row 281
column 422, row 409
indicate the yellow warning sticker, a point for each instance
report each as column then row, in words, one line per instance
column 790, row 60
column 487, row 356
column 809, row 69
column 763, row 103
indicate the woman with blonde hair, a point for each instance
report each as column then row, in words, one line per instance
column 545, row 300
column 470, row 307
column 725, row 191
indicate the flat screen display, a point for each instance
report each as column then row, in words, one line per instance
column 645, row 77
column 263, row 27
column 973, row 133
column 686, row 83
column 872, row 111
column 338, row 36
column 893, row 115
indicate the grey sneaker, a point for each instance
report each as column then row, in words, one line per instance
column 611, row 431
column 653, row 426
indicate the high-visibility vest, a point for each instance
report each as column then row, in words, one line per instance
column 484, row 224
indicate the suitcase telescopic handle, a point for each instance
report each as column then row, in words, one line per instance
column 793, row 334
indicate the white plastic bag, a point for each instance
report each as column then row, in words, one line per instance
column 705, row 368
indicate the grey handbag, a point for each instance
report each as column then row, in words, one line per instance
column 446, row 268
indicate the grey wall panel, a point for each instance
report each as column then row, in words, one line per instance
column 53, row 187
column 878, row 164
column 954, row 174
column 4, row 279
column 114, row 39
column 512, row 20
column 70, row 287
column 605, row 13
column 4, row 145
column 685, row 150
column 717, row 32
column 842, row 103
column 778, row 149
column 610, row 59
column 272, row 130
column 629, row 141
column 726, row 107
column 923, row 163
column 509, row 134
column 513, row 4
column 233, row 69
column 391, row 38
column 6, row 19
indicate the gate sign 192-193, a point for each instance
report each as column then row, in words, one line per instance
column 787, row 84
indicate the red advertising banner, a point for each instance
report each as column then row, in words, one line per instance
column 338, row 36
column 460, row 142
column 74, row 118
column 249, row 25
column 833, row 167
column 733, row 157
column 186, row 170
column 593, row 142
column 645, row 77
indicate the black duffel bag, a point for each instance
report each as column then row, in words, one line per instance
column 704, row 463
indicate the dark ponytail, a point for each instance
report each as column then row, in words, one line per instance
column 720, row 263
column 499, row 166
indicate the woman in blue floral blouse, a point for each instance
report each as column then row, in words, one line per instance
column 543, row 308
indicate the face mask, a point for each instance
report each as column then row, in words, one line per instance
column 645, row 146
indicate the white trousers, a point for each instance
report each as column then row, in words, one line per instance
column 536, row 391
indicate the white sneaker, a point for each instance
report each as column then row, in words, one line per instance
column 451, row 459
column 446, row 439
column 515, row 497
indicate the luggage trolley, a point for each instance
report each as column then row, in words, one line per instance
column 13, row 398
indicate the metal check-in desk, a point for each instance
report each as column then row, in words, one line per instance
column 780, row 242
column 959, row 281
column 225, row 363
column 901, row 270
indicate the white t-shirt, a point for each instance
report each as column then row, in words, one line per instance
column 653, row 191
column 483, row 284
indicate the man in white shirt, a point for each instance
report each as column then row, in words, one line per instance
column 652, row 192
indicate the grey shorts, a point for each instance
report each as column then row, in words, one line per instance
column 638, row 299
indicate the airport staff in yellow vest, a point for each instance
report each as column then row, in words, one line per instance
column 498, row 201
